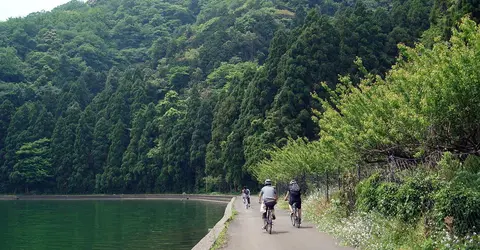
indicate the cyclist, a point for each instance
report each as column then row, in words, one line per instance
column 294, row 196
column 268, row 198
column 246, row 195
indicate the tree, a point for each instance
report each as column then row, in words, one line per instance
column 43, row 125
column 6, row 111
column 11, row 69
column 100, row 146
column 33, row 168
column 17, row 135
column 200, row 113
column 111, row 179
column 63, row 142
column 146, row 169
column 83, row 175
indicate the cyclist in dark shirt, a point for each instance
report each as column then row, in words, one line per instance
column 294, row 196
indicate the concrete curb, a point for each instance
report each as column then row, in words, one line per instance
column 207, row 242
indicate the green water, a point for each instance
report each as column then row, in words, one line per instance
column 103, row 224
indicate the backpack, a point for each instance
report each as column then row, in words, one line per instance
column 295, row 189
column 247, row 192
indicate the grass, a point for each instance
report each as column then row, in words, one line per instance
column 283, row 204
column 222, row 237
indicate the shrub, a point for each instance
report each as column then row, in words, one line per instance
column 367, row 193
column 387, row 200
column 472, row 164
column 449, row 166
column 414, row 197
column 461, row 200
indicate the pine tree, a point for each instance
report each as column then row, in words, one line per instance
column 200, row 111
column 131, row 155
column 146, row 168
column 101, row 144
column 83, row 176
column 111, row 179
column 63, row 142
column 44, row 124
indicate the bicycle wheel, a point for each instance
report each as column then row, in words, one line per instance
column 270, row 222
column 297, row 218
column 266, row 220
column 292, row 218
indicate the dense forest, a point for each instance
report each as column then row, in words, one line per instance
column 135, row 96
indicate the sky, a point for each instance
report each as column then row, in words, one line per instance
column 21, row 8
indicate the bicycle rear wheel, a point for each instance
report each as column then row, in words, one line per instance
column 297, row 219
column 268, row 220
column 292, row 218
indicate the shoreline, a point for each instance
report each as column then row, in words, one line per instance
column 211, row 237
column 212, row 198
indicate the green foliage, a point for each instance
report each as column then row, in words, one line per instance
column 422, row 106
column 11, row 67
column 472, row 164
column 414, row 197
column 296, row 159
column 156, row 96
column 387, row 198
column 33, row 168
column 460, row 199
column 449, row 166
column 367, row 193
column 462, row 204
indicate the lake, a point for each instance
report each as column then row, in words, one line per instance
column 106, row 224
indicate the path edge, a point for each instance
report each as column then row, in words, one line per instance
column 207, row 242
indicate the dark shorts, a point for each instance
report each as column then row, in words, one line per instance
column 270, row 203
column 299, row 203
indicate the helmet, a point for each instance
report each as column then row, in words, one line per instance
column 292, row 182
column 268, row 182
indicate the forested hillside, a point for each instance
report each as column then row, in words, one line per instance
column 138, row 96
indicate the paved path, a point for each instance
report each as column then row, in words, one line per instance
column 245, row 233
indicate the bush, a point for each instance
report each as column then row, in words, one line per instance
column 367, row 193
column 387, row 200
column 414, row 197
column 449, row 166
column 461, row 200
column 472, row 164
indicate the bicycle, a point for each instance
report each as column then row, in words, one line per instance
column 294, row 216
column 268, row 221
column 246, row 201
